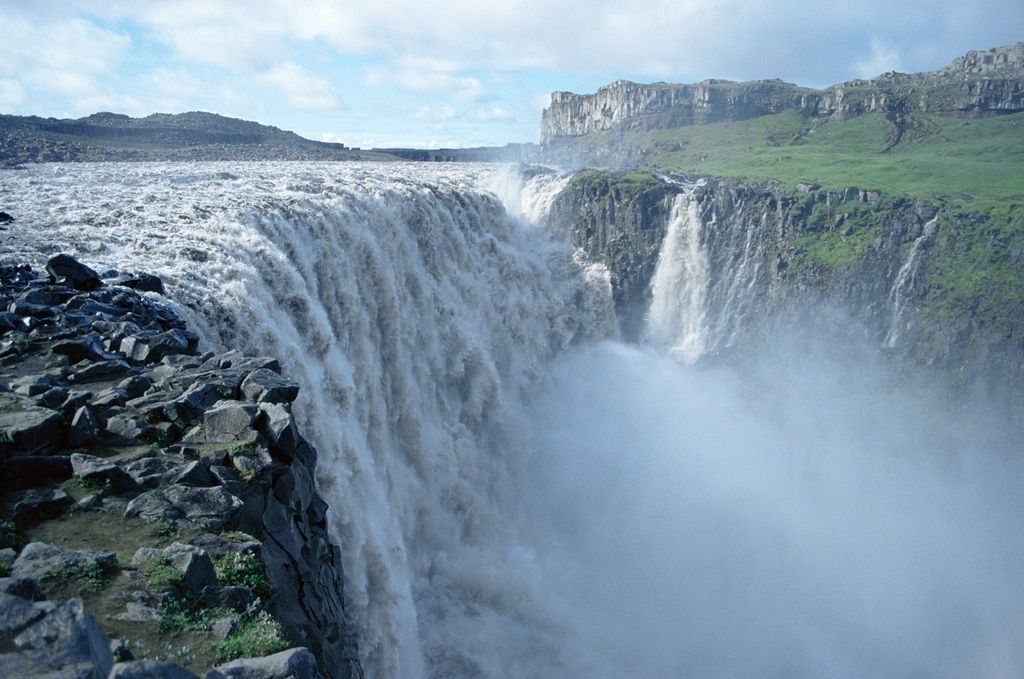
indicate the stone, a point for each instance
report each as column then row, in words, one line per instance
column 27, row 507
column 76, row 274
column 34, row 385
column 38, row 559
column 30, row 471
column 211, row 508
column 113, row 396
column 149, row 669
column 135, row 386
column 266, row 385
column 26, row 427
column 229, row 421
column 52, row 397
column 194, row 473
column 222, row 628
column 231, row 543
column 130, row 427
column 144, row 282
column 85, row 348
column 295, row 663
column 16, row 613
column 26, row 588
column 67, row 642
column 193, row 563
column 83, row 427
column 253, row 466
column 99, row 369
column 103, row 472
column 151, row 472
column 7, row 556
column 279, row 429
column 237, row 599
column 5, row 218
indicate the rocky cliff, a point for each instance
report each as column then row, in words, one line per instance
column 978, row 83
column 930, row 283
column 153, row 496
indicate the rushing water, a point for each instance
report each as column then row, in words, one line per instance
column 517, row 496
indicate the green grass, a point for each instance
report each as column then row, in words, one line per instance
column 244, row 569
column 256, row 636
column 963, row 159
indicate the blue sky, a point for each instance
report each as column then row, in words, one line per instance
column 462, row 73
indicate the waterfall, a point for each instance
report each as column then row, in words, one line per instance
column 514, row 494
column 416, row 316
column 903, row 286
column 677, row 317
column 528, row 192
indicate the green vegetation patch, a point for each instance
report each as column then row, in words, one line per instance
column 979, row 160
column 257, row 635
column 244, row 569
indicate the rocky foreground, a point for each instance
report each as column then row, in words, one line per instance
column 159, row 516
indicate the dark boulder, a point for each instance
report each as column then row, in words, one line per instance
column 295, row 663
column 267, row 385
column 103, row 472
column 78, row 275
column 26, row 507
column 144, row 282
column 30, row 471
column 6, row 218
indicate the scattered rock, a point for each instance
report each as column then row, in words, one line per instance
column 229, row 421
column 237, row 599
column 67, row 268
column 211, row 508
column 67, row 642
column 27, row 507
column 103, row 472
column 266, row 385
column 144, row 282
column 32, row 471
column 223, row 628
column 17, row 613
column 83, row 427
column 26, row 427
column 192, row 562
column 295, row 663
column 6, row 218
column 38, row 560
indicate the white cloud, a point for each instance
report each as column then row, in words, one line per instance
column 11, row 94
column 492, row 114
column 440, row 115
column 462, row 88
column 302, row 90
column 882, row 59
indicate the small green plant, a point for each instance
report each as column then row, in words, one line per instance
column 165, row 529
column 21, row 346
column 160, row 573
column 257, row 636
column 91, row 576
column 241, row 447
column 92, row 485
column 9, row 536
column 5, row 569
column 184, row 613
column 244, row 569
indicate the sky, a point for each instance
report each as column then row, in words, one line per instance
column 414, row 73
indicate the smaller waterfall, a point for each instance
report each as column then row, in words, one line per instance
column 906, row 278
column 677, row 319
column 527, row 193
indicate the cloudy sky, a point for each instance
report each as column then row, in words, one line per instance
column 457, row 73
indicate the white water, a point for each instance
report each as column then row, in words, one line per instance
column 516, row 500
column 677, row 318
column 904, row 284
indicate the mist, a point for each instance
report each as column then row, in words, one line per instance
column 798, row 518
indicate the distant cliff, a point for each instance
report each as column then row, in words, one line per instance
column 193, row 136
column 978, row 83
column 931, row 283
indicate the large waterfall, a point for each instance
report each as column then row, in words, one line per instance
column 517, row 495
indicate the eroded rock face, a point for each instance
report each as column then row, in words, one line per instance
column 106, row 384
column 987, row 82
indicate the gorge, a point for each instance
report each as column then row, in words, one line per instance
column 601, row 424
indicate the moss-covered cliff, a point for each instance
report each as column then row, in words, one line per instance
column 936, row 283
